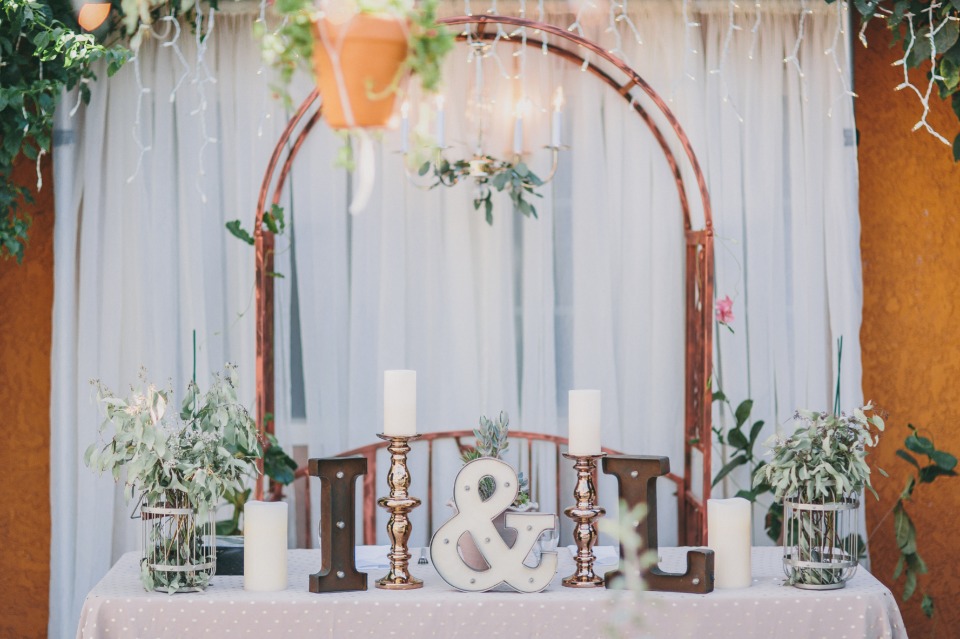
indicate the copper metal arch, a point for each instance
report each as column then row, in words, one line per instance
column 699, row 257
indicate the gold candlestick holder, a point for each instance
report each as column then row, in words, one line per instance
column 399, row 503
column 585, row 515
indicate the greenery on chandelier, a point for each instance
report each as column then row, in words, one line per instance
column 291, row 46
column 515, row 179
column 42, row 53
column 929, row 33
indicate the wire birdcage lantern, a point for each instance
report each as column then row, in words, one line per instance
column 178, row 547
column 821, row 547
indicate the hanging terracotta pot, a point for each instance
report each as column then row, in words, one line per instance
column 356, row 63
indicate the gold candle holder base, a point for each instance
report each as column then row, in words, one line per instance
column 399, row 503
column 585, row 515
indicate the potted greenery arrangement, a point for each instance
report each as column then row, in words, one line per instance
column 180, row 466
column 492, row 441
column 819, row 473
column 361, row 52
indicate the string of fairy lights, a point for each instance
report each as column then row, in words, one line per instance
column 621, row 27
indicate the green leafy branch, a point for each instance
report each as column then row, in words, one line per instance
column 517, row 180
column 938, row 464
column 274, row 221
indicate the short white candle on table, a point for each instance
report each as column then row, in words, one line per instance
column 729, row 534
column 584, row 414
column 400, row 403
column 265, row 546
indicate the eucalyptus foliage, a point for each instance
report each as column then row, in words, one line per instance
column 824, row 459
column 492, row 441
column 187, row 453
column 186, row 460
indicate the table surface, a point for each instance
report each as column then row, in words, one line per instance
column 119, row 607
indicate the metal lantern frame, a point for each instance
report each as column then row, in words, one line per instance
column 699, row 251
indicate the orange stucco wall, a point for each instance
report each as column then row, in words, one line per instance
column 26, row 304
column 910, row 242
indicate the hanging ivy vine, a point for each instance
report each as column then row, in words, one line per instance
column 41, row 56
column 929, row 34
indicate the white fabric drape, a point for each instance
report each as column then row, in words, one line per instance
column 503, row 317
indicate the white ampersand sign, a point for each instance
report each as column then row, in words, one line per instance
column 475, row 516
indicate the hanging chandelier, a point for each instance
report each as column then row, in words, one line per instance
column 486, row 171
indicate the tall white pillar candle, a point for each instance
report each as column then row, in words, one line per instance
column 518, row 136
column 265, row 546
column 584, row 412
column 557, row 123
column 729, row 534
column 405, row 126
column 400, row 403
column 441, row 123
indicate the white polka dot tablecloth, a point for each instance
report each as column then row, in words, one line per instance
column 118, row 607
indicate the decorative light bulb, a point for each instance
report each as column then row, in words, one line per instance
column 92, row 15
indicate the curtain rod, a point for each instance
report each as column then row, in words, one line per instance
column 571, row 7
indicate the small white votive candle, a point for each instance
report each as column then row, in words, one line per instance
column 265, row 546
column 584, row 412
column 729, row 534
column 400, row 403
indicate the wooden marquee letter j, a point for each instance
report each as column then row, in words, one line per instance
column 338, row 478
column 637, row 481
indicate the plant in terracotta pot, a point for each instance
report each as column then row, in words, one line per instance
column 361, row 52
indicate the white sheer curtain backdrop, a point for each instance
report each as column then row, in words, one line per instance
column 142, row 263
column 503, row 317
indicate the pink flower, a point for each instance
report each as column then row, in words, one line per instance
column 724, row 310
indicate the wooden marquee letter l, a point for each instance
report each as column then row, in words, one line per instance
column 637, row 483
column 338, row 478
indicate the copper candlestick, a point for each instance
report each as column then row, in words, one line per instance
column 584, row 514
column 399, row 503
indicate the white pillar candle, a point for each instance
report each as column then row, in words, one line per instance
column 441, row 124
column 584, row 412
column 518, row 136
column 405, row 126
column 265, row 546
column 400, row 403
column 729, row 534
column 557, row 118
